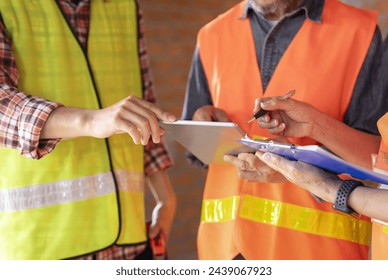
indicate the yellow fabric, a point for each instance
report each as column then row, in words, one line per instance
column 53, row 65
column 219, row 210
column 287, row 216
column 18, row 227
column 379, row 241
column 304, row 219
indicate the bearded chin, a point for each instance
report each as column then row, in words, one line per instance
column 278, row 7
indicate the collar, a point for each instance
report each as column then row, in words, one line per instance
column 312, row 8
column 75, row 2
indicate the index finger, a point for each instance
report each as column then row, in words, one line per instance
column 236, row 161
column 160, row 114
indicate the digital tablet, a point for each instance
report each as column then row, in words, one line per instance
column 208, row 141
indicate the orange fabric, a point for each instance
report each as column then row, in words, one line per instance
column 380, row 231
column 321, row 64
column 382, row 159
column 379, row 241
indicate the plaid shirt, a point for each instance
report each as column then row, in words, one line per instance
column 22, row 116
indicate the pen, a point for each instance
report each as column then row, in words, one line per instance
column 262, row 112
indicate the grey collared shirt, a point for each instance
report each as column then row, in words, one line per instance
column 368, row 103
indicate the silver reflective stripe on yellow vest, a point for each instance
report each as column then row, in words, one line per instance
column 287, row 215
column 25, row 198
column 70, row 202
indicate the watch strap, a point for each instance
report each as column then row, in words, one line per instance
column 342, row 197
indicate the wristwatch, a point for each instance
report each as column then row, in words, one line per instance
column 341, row 200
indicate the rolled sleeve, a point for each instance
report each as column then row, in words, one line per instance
column 22, row 119
column 32, row 118
column 156, row 158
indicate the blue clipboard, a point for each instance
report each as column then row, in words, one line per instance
column 316, row 155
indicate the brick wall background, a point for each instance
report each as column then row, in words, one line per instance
column 171, row 27
column 379, row 5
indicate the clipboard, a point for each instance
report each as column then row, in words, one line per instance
column 316, row 155
column 208, row 141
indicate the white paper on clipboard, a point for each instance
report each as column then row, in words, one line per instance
column 208, row 141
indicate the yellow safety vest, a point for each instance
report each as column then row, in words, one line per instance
column 88, row 193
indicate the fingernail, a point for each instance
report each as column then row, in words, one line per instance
column 267, row 157
column 264, row 104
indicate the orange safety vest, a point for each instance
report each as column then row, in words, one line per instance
column 281, row 221
column 380, row 229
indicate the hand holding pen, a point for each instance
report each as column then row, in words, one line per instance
column 262, row 112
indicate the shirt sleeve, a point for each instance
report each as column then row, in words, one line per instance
column 369, row 101
column 22, row 116
column 156, row 156
column 197, row 96
column 197, row 90
column 384, row 68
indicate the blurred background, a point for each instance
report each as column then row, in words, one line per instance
column 171, row 27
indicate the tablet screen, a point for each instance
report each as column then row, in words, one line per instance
column 208, row 141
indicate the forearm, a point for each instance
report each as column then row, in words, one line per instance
column 22, row 118
column 370, row 202
column 65, row 122
column 131, row 115
column 350, row 144
column 164, row 211
column 161, row 188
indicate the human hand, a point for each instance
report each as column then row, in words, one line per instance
column 210, row 113
column 250, row 168
column 163, row 213
column 131, row 115
column 315, row 180
column 162, row 219
column 287, row 117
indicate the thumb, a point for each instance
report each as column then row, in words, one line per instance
column 220, row 115
column 278, row 104
column 165, row 116
column 272, row 160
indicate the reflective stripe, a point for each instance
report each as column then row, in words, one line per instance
column 65, row 191
column 289, row 216
column 385, row 229
column 219, row 210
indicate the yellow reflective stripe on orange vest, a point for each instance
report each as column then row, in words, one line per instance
column 289, row 216
column 385, row 229
column 219, row 210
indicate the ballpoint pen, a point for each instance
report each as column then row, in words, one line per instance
column 262, row 112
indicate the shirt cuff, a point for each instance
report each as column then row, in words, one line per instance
column 31, row 120
column 156, row 158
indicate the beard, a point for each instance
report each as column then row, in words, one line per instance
column 275, row 7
